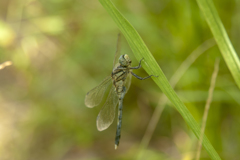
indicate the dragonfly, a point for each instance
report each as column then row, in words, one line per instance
column 121, row 79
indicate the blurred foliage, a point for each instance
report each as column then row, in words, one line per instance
column 61, row 49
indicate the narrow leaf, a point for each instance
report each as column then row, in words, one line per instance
column 231, row 58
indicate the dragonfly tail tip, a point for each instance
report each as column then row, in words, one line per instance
column 116, row 146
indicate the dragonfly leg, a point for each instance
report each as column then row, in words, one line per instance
column 138, row 77
column 119, row 123
column 139, row 65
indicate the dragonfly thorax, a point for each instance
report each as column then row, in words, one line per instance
column 124, row 60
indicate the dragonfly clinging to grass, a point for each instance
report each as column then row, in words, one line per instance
column 121, row 80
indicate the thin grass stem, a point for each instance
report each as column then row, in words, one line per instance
column 173, row 81
column 5, row 64
column 207, row 106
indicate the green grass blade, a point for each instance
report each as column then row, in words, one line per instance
column 221, row 37
column 140, row 50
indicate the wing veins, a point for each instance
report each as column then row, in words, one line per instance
column 94, row 96
column 107, row 113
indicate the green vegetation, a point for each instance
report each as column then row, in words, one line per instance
column 61, row 49
column 140, row 50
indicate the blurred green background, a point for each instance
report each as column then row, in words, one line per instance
column 61, row 49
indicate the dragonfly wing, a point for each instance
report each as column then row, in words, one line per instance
column 118, row 51
column 107, row 113
column 128, row 81
column 94, row 97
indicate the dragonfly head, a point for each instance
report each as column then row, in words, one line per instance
column 124, row 60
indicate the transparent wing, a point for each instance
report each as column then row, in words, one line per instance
column 128, row 81
column 94, row 97
column 107, row 113
column 118, row 51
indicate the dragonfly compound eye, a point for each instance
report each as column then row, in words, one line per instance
column 123, row 61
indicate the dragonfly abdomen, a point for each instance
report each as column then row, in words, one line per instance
column 119, row 125
column 119, row 122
